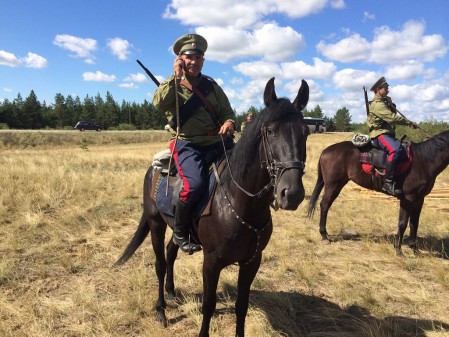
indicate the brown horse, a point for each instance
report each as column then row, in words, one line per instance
column 266, row 164
column 340, row 163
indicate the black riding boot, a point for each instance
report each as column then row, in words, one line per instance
column 389, row 184
column 183, row 219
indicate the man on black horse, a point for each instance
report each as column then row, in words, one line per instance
column 382, row 121
column 205, row 115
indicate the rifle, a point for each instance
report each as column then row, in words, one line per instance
column 366, row 100
column 149, row 73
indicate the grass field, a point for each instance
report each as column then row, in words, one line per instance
column 70, row 201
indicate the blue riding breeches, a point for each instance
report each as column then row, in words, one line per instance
column 192, row 162
column 391, row 145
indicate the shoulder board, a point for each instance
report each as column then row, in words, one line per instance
column 209, row 78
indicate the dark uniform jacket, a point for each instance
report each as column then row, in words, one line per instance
column 382, row 119
column 199, row 128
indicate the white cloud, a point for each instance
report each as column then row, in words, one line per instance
column 241, row 14
column 128, row 85
column 410, row 43
column 353, row 79
column 259, row 69
column 368, row 16
column 350, row 49
column 269, row 41
column 120, row 48
column 81, row 48
column 9, row 59
column 35, row 61
column 388, row 46
column 32, row 60
column 98, row 76
column 319, row 69
column 407, row 71
column 138, row 77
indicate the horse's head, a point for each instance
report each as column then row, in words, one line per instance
column 284, row 136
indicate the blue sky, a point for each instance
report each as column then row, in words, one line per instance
column 85, row 47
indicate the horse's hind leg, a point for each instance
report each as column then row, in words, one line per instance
column 330, row 194
column 172, row 253
column 402, row 226
column 414, row 223
column 158, row 229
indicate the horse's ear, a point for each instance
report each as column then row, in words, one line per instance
column 269, row 95
column 302, row 98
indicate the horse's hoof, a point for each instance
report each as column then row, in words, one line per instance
column 171, row 295
column 161, row 318
column 326, row 242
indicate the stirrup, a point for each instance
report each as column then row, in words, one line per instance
column 185, row 245
column 391, row 189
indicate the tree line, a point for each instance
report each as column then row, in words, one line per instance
column 29, row 113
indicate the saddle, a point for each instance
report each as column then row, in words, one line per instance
column 167, row 196
column 374, row 159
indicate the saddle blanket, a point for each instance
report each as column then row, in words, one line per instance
column 165, row 201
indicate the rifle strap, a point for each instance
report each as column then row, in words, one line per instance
column 209, row 108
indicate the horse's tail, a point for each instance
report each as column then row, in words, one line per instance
column 316, row 192
column 139, row 236
column 144, row 227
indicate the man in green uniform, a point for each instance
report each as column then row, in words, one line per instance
column 198, row 131
column 382, row 121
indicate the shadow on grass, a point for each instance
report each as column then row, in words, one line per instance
column 293, row 314
column 438, row 247
column 296, row 315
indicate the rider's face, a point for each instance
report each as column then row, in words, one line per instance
column 193, row 64
column 383, row 91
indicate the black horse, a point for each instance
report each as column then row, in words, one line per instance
column 266, row 165
column 340, row 163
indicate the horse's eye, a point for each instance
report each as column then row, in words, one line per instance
column 270, row 132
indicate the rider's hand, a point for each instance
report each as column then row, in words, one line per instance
column 227, row 127
column 178, row 67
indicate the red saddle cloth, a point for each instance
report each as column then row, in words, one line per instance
column 371, row 163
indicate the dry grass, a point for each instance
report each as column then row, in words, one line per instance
column 66, row 214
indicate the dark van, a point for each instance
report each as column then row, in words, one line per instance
column 85, row 125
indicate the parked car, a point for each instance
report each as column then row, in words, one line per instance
column 85, row 125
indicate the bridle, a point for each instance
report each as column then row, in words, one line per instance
column 275, row 169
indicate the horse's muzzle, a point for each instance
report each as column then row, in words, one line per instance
column 290, row 190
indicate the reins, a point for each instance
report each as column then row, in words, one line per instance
column 275, row 169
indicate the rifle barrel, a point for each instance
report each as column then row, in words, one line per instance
column 149, row 73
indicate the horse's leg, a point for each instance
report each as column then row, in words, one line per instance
column 414, row 223
column 402, row 225
column 330, row 194
column 211, row 274
column 246, row 277
column 158, row 228
column 172, row 253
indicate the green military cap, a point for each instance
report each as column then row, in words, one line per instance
column 190, row 44
column 381, row 82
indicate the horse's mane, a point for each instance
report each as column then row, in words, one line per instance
column 244, row 152
column 431, row 147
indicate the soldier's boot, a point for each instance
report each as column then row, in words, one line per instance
column 183, row 219
column 389, row 185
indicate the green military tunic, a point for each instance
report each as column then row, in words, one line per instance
column 381, row 119
column 199, row 128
